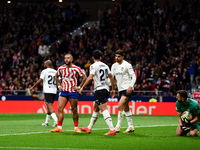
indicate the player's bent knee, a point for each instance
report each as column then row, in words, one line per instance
column 193, row 134
column 60, row 109
column 179, row 132
column 74, row 110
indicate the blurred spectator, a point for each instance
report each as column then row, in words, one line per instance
column 185, row 80
column 165, row 87
column 15, row 91
column 151, row 87
column 198, row 77
column 42, row 50
column 191, row 71
column 87, row 66
column 59, row 61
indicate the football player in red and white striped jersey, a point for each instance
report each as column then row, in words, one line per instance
column 69, row 74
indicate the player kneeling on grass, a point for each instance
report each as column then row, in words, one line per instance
column 187, row 104
column 100, row 73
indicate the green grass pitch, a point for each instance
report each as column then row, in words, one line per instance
column 24, row 131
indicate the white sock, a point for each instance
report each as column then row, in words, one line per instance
column 59, row 127
column 120, row 118
column 53, row 115
column 108, row 119
column 93, row 119
column 47, row 118
column 129, row 118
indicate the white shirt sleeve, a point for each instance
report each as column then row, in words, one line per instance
column 132, row 74
column 92, row 69
column 42, row 75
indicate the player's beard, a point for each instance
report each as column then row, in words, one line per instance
column 69, row 63
column 119, row 61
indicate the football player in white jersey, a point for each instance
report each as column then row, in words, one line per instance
column 125, row 76
column 100, row 73
column 49, row 89
column 68, row 90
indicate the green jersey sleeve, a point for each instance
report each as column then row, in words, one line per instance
column 178, row 108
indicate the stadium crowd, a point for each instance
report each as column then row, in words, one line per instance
column 161, row 42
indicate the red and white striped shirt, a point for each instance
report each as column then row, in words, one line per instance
column 69, row 76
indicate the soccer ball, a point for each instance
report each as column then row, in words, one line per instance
column 187, row 115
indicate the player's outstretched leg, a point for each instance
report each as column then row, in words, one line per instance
column 108, row 120
column 129, row 120
column 119, row 122
column 93, row 119
column 53, row 115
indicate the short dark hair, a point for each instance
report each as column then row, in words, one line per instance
column 120, row 52
column 183, row 93
column 97, row 54
column 69, row 54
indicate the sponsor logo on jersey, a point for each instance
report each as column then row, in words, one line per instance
column 122, row 69
column 118, row 73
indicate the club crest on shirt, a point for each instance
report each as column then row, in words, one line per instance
column 71, row 73
column 122, row 69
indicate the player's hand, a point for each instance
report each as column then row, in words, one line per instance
column 184, row 120
column 79, row 92
column 60, row 88
column 185, row 129
column 76, row 88
column 112, row 93
column 129, row 90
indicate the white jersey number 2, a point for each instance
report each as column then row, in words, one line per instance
column 103, row 74
column 51, row 80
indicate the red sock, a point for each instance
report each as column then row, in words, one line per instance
column 75, row 123
column 60, row 123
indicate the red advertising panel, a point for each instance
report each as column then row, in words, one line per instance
column 196, row 96
column 86, row 107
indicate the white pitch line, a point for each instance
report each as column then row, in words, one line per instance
column 147, row 126
column 46, row 148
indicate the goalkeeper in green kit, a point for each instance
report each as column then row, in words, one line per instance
column 187, row 104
